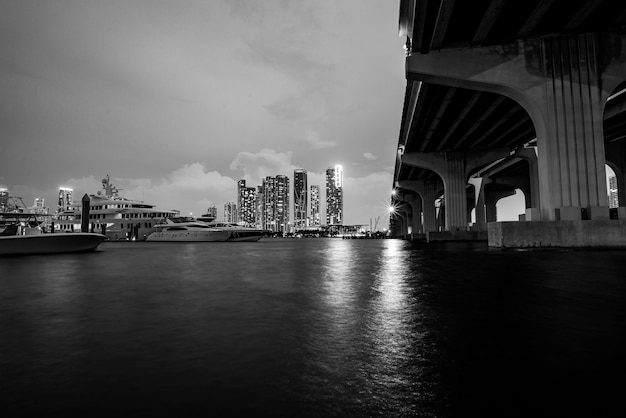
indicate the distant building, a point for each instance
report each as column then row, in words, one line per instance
column 276, row 203
column 314, row 219
column 230, row 212
column 259, row 207
column 245, row 203
column 65, row 199
column 613, row 195
column 4, row 199
column 300, row 198
column 334, row 195
column 39, row 207
column 212, row 211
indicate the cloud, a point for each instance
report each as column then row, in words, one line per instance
column 315, row 142
column 267, row 162
column 369, row 156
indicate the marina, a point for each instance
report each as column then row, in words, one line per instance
column 115, row 216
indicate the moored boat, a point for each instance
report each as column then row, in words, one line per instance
column 238, row 233
column 116, row 217
column 185, row 229
column 23, row 238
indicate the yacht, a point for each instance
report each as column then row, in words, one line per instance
column 187, row 229
column 21, row 234
column 238, row 232
column 114, row 216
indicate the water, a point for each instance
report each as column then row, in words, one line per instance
column 314, row 327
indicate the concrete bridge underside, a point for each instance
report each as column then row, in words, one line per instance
column 513, row 95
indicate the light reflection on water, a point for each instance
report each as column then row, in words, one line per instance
column 310, row 327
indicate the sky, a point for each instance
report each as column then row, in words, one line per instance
column 177, row 100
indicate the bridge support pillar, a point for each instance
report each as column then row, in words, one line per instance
column 454, row 168
column 426, row 189
column 479, row 202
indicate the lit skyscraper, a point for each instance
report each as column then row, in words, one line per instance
column 334, row 195
column 4, row 199
column 260, row 207
column 315, row 220
column 230, row 212
column 276, row 203
column 245, row 203
column 300, row 198
column 65, row 199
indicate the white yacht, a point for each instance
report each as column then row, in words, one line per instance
column 238, row 232
column 187, row 229
column 114, row 216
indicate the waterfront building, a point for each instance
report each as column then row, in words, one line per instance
column 245, row 203
column 259, row 207
column 334, row 195
column 314, row 219
column 39, row 207
column 4, row 199
column 276, row 203
column 613, row 196
column 230, row 212
column 212, row 211
column 300, row 198
column 65, row 199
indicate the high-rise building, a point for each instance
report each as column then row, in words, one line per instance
column 276, row 203
column 245, row 203
column 260, row 207
column 230, row 212
column 4, row 199
column 65, row 199
column 314, row 220
column 39, row 207
column 212, row 211
column 613, row 195
column 334, row 195
column 300, row 198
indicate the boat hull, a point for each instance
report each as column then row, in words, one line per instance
column 189, row 236
column 50, row 243
column 245, row 236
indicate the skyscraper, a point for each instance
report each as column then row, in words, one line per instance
column 334, row 195
column 212, row 211
column 260, row 208
column 276, row 203
column 300, row 198
column 65, row 199
column 230, row 212
column 245, row 203
column 314, row 220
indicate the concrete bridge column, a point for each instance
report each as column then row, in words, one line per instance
column 426, row 189
column 571, row 140
column 479, row 202
column 454, row 168
column 428, row 208
column 532, row 196
column 455, row 194
column 415, row 203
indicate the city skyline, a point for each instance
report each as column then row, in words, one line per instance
column 177, row 101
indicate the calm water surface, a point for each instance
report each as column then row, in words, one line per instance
column 314, row 327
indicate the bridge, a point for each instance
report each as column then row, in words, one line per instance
column 506, row 95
